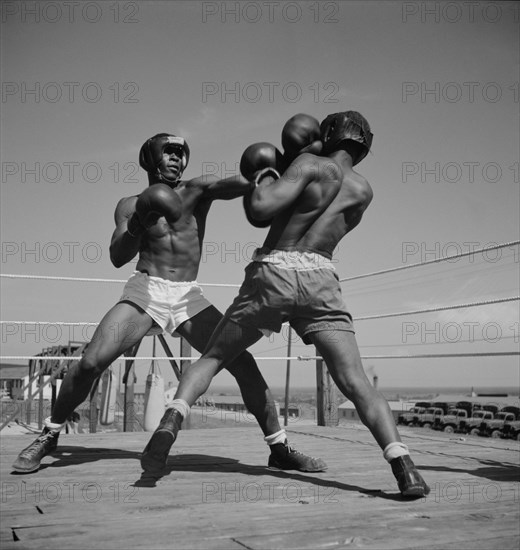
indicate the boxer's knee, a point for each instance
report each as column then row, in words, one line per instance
column 91, row 365
column 245, row 369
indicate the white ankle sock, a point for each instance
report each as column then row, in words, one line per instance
column 395, row 450
column 51, row 425
column 278, row 437
column 181, row 406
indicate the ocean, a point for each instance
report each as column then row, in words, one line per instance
column 305, row 393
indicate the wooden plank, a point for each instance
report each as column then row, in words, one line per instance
column 399, row 530
column 217, row 493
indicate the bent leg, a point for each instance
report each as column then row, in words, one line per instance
column 121, row 328
column 226, row 343
column 253, row 387
column 255, row 392
column 340, row 352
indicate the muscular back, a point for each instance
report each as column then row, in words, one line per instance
column 329, row 206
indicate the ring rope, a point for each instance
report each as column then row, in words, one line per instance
column 88, row 280
column 62, row 323
column 440, row 308
column 362, row 318
column 232, row 285
column 435, row 260
column 281, row 358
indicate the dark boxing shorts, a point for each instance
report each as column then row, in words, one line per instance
column 301, row 288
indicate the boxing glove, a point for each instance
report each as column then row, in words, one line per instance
column 259, row 159
column 156, row 201
column 301, row 134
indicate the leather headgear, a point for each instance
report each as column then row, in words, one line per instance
column 349, row 125
column 153, row 149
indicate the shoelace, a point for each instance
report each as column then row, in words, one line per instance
column 295, row 451
column 33, row 447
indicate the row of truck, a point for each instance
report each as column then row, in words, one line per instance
column 465, row 417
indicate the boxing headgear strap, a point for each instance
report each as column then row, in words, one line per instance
column 153, row 149
column 339, row 127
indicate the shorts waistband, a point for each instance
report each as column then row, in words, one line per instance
column 293, row 259
column 164, row 281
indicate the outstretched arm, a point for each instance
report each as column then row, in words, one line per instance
column 222, row 189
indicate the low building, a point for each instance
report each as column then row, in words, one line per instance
column 293, row 411
column 347, row 410
column 13, row 378
column 231, row 403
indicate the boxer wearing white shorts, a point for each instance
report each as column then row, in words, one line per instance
column 168, row 303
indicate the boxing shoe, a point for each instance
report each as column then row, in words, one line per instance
column 156, row 452
column 285, row 457
column 409, row 480
column 30, row 458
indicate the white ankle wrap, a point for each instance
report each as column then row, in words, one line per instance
column 278, row 437
column 181, row 406
column 51, row 425
column 395, row 450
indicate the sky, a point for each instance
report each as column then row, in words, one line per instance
column 84, row 84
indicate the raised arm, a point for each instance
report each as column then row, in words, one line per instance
column 271, row 196
column 134, row 215
column 125, row 243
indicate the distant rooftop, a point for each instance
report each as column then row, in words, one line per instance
column 10, row 371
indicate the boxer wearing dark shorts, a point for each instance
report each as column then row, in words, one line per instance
column 310, row 208
column 301, row 288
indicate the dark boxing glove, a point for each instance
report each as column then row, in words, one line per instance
column 155, row 201
column 261, row 159
column 301, row 134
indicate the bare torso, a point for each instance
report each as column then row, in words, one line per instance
column 322, row 215
column 173, row 251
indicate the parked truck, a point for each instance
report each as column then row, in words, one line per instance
column 511, row 430
column 472, row 424
column 445, row 406
column 451, row 422
column 493, row 427
column 411, row 417
column 427, row 419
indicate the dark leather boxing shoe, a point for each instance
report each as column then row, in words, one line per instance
column 409, row 480
column 30, row 458
column 285, row 457
column 156, row 452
